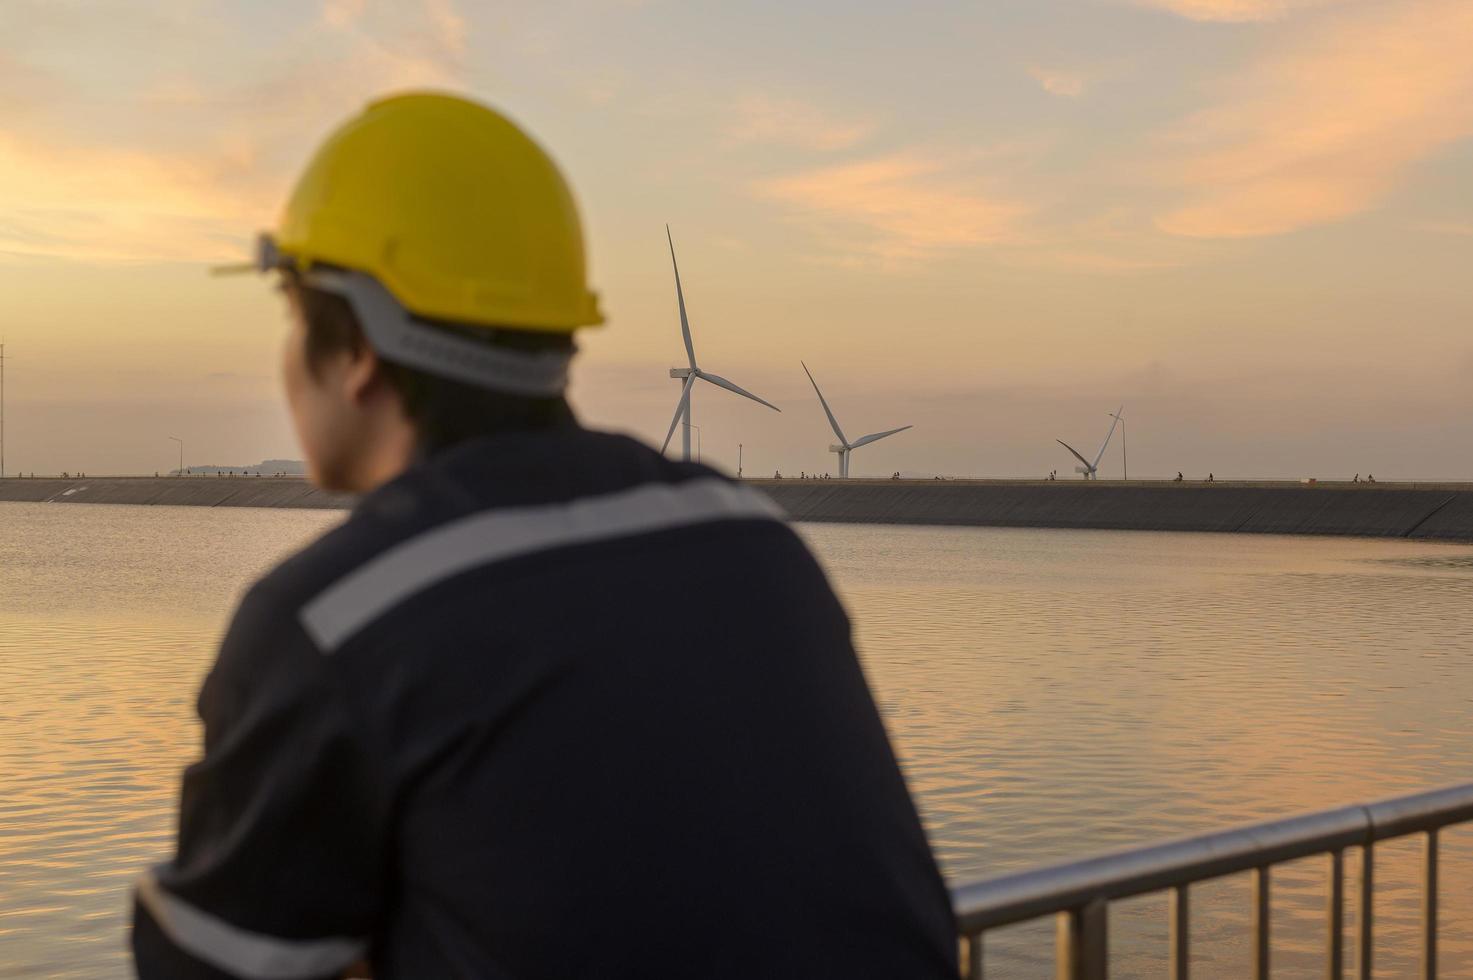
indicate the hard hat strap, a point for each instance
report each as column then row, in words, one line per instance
column 396, row 336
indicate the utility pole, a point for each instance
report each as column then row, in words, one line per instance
column 181, row 454
column 739, row 461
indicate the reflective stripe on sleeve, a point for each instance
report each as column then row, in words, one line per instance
column 241, row 952
column 369, row 592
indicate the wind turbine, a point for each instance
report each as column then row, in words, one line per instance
column 689, row 375
column 845, row 447
column 1091, row 470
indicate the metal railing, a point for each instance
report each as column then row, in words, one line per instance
column 1080, row 893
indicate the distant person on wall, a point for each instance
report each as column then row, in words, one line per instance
column 547, row 704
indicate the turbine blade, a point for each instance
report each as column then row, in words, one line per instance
column 721, row 382
column 1074, row 451
column 690, row 350
column 1101, row 454
column 833, row 422
column 679, row 410
column 877, row 436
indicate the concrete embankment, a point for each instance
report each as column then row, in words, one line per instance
column 1431, row 511
column 1442, row 511
column 198, row 491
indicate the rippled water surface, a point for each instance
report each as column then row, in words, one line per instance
column 1051, row 693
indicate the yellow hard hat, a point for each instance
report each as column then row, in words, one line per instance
column 449, row 206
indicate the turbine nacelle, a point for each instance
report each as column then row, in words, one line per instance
column 839, row 449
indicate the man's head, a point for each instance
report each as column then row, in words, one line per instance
column 361, row 419
column 433, row 262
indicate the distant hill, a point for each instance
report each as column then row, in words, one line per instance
column 267, row 467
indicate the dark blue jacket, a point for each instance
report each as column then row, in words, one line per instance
column 545, row 706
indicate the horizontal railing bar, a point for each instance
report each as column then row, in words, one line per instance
column 1421, row 812
column 1018, row 897
column 1030, row 894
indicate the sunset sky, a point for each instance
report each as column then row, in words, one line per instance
column 1250, row 221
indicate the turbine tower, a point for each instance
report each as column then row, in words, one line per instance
column 845, row 447
column 1091, row 470
column 689, row 375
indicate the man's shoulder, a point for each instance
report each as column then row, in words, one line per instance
column 604, row 475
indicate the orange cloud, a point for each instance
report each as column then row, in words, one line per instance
column 120, row 206
column 1233, row 11
column 1325, row 129
column 792, row 122
column 200, row 192
column 896, row 207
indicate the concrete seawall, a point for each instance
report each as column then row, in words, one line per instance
column 1440, row 511
column 196, row 491
column 1426, row 511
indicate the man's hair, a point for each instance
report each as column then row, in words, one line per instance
column 443, row 412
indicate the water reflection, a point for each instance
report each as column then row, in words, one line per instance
column 108, row 617
column 1051, row 693
column 1059, row 693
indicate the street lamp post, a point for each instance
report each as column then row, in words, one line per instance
column 688, row 427
column 181, row 454
column 1124, row 461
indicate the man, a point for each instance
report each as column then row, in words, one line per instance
column 546, row 705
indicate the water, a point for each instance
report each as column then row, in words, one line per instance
column 1051, row 693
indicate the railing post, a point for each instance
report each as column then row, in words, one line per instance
column 1260, row 923
column 1083, row 942
column 1429, row 908
column 972, row 966
column 1181, row 931
column 1366, row 939
column 1335, row 909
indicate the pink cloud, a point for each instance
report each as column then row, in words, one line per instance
column 793, row 122
column 1234, row 11
column 901, row 206
column 1326, row 127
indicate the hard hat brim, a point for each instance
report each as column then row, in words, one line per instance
column 395, row 335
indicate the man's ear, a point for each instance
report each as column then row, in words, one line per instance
column 364, row 374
